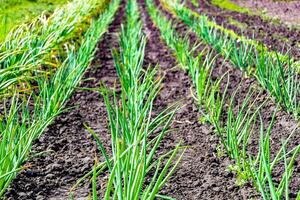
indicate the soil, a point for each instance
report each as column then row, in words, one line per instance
column 285, row 11
column 276, row 36
column 69, row 151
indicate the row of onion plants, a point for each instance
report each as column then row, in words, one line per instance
column 136, row 168
column 275, row 74
column 235, row 125
column 25, row 117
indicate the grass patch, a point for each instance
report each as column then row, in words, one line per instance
column 16, row 12
column 229, row 5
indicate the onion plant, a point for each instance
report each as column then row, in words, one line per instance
column 264, row 163
column 19, row 11
column 25, row 118
column 280, row 79
column 236, row 129
column 136, row 170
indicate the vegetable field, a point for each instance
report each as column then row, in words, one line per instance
column 149, row 99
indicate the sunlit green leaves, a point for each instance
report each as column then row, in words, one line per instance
column 25, row 118
column 136, row 169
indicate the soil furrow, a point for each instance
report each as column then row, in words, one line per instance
column 68, row 150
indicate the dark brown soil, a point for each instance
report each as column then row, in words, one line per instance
column 202, row 174
column 275, row 36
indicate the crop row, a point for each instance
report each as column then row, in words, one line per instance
column 239, row 127
column 30, row 48
column 136, row 170
column 276, row 73
column 41, row 61
column 24, row 117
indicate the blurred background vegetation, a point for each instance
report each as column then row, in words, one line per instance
column 16, row 12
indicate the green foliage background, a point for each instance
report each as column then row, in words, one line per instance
column 16, row 12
